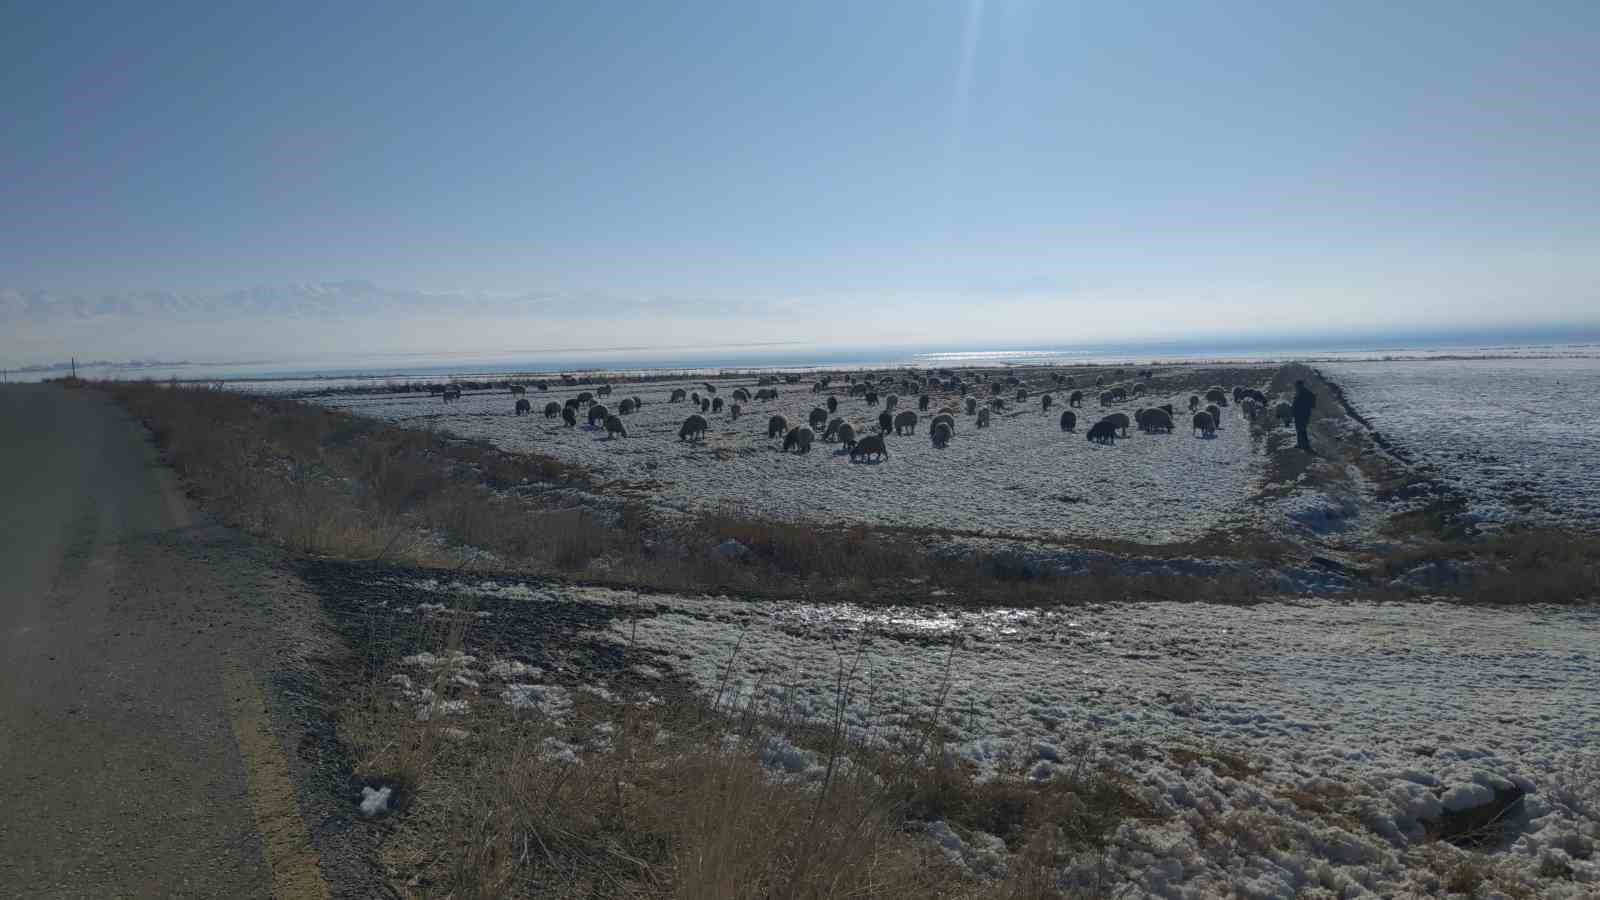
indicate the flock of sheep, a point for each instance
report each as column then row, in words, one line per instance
column 962, row 397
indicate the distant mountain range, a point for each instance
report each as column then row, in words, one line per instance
column 335, row 299
column 339, row 300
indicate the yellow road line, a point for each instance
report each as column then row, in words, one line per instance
column 295, row 865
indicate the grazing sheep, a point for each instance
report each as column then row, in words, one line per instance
column 451, row 394
column 1204, row 424
column 1253, row 394
column 694, row 428
column 625, row 407
column 552, row 409
column 1156, row 421
column 585, row 398
column 872, row 398
column 517, row 390
column 858, row 390
column 705, row 404
column 716, row 405
column 818, row 417
column 604, row 390
column 891, row 401
column 947, row 419
column 885, row 422
column 832, row 429
column 871, row 445
column 1100, row 381
column 573, row 404
column 767, row 394
column 637, row 403
column 972, row 405
column 1120, row 420
column 1285, row 413
column 1107, row 398
column 905, row 423
column 734, row 411
column 569, row 415
column 816, row 387
column 1119, row 394
column 776, row 425
column 1138, row 390
column 1218, row 396
column 833, row 404
column 1167, row 408
column 710, row 388
column 1069, row 420
column 1103, row 432
column 922, row 403
column 1194, row 403
column 941, row 434
column 614, row 427
column 742, row 395
column 983, row 418
column 847, row 435
column 1075, row 398
column 798, row 440
column 524, row 406
column 695, row 398
column 1238, row 394
column 1022, row 396
column 598, row 411
column 997, row 404
column 677, row 394
column 1216, row 416
column 1045, row 403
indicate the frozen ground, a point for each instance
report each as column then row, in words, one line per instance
column 1519, row 438
column 1385, row 715
column 1022, row 476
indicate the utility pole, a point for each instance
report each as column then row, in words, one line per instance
column 74, row 368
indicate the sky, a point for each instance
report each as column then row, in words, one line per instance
column 286, row 178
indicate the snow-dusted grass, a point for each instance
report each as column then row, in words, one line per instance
column 1290, row 748
column 1021, row 476
column 1517, row 437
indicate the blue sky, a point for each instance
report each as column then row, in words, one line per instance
column 856, row 172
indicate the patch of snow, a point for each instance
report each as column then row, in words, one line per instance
column 549, row 700
column 375, row 802
column 1155, row 488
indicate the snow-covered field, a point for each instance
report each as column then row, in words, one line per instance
column 1391, row 714
column 1518, row 437
column 1021, row 476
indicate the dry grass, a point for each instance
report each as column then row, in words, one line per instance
column 1525, row 565
column 674, row 802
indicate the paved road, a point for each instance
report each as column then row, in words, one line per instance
column 135, row 755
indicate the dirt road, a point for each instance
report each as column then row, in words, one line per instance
column 137, row 754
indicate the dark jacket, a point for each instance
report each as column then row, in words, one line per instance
column 1304, row 403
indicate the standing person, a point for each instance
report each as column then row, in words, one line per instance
column 1304, row 403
